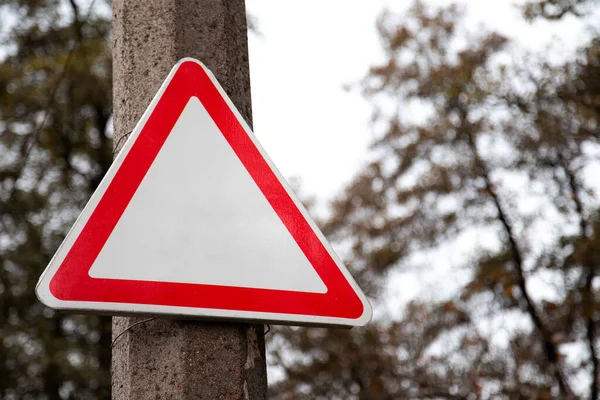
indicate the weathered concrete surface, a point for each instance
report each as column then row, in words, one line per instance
column 164, row 359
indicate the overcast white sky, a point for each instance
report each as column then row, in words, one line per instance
column 308, row 50
column 315, row 130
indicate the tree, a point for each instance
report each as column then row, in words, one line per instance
column 489, row 159
column 55, row 146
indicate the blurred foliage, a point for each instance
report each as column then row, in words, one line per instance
column 60, row 117
column 472, row 155
column 489, row 160
column 557, row 9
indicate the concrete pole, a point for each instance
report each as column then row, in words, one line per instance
column 167, row 359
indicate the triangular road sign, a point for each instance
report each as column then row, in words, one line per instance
column 193, row 219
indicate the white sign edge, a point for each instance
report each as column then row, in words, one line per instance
column 43, row 286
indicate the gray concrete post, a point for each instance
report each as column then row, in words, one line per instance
column 168, row 359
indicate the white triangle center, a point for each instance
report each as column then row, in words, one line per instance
column 199, row 217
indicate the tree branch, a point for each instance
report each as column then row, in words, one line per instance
column 549, row 346
column 588, row 295
column 572, row 180
column 77, row 25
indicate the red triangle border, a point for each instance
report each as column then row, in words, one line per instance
column 72, row 282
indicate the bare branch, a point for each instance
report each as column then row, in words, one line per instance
column 549, row 346
column 588, row 294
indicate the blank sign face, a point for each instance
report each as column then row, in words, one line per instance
column 198, row 217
